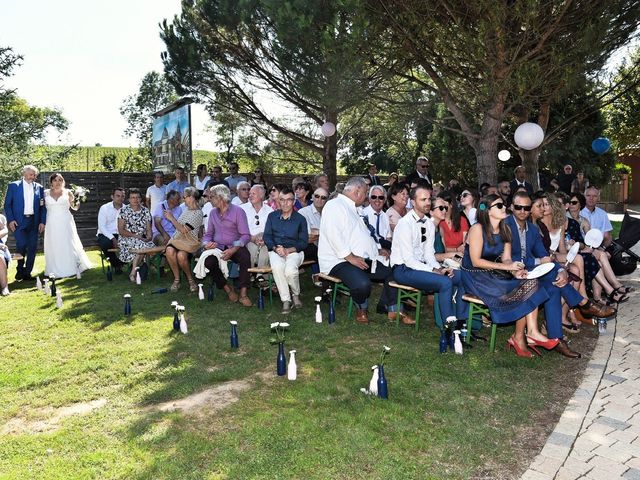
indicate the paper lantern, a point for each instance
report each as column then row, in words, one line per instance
column 528, row 136
column 601, row 145
column 504, row 155
column 328, row 129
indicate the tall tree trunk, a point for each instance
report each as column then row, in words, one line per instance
column 530, row 158
column 486, row 147
column 330, row 151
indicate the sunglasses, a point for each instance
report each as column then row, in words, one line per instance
column 465, row 194
column 257, row 220
column 574, row 202
column 273, row 190
column 321, row 197
column 442, row 208
column 258, row 171
column 498, row 205
column 377, row 197
column 526, row 208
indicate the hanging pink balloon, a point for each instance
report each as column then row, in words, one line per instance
column 328, row 129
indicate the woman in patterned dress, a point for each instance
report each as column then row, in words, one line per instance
column 134, row 227
column 190, row 222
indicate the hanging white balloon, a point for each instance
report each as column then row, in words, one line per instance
column 504, row 155
column 328, row 129
column 528, row 136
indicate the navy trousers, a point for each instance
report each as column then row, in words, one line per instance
column 359, row 283
column 26, row 245
column 553, row 306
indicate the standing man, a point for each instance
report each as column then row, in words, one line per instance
column 372, row 172
column 519, row 180
column 414, row 262
column 257, row 212
column 108, row 227
column 421, row 171
column 565, row 179
column 157, row 192
column 26, row 217
column 180, row 183
column 234, row 178
column 377, row 219
column 597, row 217
column 346, row 250
column 285, row 236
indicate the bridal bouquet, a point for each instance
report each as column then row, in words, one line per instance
column 79, row 194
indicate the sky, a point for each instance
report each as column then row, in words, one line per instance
column 85, row 57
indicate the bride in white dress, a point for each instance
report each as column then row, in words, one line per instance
column 64, row 254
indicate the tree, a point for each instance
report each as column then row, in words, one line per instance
column 623, row 113
column 312, row 57
column 489, row 60
column 154, row 93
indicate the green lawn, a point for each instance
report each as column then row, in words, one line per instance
column 447, row 416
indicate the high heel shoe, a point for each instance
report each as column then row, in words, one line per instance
column 511, row 343
column 624, row 290
column 550, row 344
column 611, row 298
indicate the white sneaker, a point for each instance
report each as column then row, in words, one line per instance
column 5, row 291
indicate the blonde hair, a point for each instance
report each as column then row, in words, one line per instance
column 558, row 214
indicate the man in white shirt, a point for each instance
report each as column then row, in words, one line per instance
column 313, row 214
column 257, row 212
column 414, row 262
column 347, row 250
column 108, row 227
column 156, row 193
column 597, row 217
column 377, row 219
column 242, row 190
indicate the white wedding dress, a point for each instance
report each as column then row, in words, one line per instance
column 64, row 254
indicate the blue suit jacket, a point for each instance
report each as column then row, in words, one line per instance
column 14, row 204
column 535, row 247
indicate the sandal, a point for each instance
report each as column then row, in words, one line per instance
column 193, row 286
column 570, row 328
column 246, row 302
column 624, row 290
column 616, row 297
column 175, row 286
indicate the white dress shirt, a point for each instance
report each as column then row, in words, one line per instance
column 312, row 215
column 156, row 196
column 206, row 210
column 27, row 191
column 343, row 232
column 251, row 213
column 108, row 220
column 409, row 249
column 384, row 229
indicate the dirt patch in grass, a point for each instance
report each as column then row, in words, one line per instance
column 50, row 418
column 530, row 439
column 212, row 399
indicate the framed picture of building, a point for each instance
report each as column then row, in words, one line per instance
column 172, row 138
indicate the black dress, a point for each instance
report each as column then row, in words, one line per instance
column 591, row 265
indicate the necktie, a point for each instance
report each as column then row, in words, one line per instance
column 377, row 224
column 365, row 219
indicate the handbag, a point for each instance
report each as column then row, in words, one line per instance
column 185, row 242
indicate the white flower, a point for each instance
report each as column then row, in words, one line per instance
column 233, row 322
column 374, row 367
column 174, row 304
column 318, row 299
column 126, row 295
column 386, row 349
column 275, row 324
column 292, row 351
column 180, row 308
column 200, row 285
column 284, row 324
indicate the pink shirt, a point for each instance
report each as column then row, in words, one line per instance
column 230, row 230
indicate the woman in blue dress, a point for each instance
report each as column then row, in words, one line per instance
column 509, row 299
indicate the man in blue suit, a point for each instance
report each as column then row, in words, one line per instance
column 527, row 246
column 26, row 216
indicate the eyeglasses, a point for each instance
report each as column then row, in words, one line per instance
column 574, row 202
column 257, row 171
column 377, row 197
column 282, row 200
column 442, row 208
column 243, row 189
column 321, row 197
column 465, row 194
column 498, row 205
column 257, row 217
column 300, row 187
column 423, row 234
column 526, row 208
column 273, row 190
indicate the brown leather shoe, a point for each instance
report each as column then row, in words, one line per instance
column 592, row 309
column 563, row 349
column 246, row 302
column 404, row 318
column 233, row 296
column 362, row 317
column 582, row 319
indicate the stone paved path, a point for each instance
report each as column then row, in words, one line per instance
column 598, row 435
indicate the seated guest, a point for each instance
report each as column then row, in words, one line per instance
column 163, row 228
column 468, row 203
column 242, row 191
column 216, row 178
column 439, row 208
column 234, row 178
column 504, row 190
column 189, row 223
column 180, row 183
column 397, row 200
column 455, row 227
column 258, row 178
column 580, row 184
column 5, row 256
column 257, row 212
column 201, row 179
column 414, row 262
column 108, row 227
column 228, row 231
column 286, row 237
column 596, row 216
column 274, row 195
column 134, row 228
column 321, row 181
column 303, row 195
column 346, row 250
column 377, row 218
column 157, row 192
column 313, row 214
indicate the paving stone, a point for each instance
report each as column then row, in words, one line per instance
column 612, row 422
column 533, row 475
column 618, row 455
column 595, row 365
column 632, row 474
column 555, row 451
column 627, row 436
column 561, row 439
column 611, row 467
column 579, row 466
column 598, row 473
column 546, row 465
column 633, row 463
column 568, row 474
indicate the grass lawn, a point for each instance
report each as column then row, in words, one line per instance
column 448, row 416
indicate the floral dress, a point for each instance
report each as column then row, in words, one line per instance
column 135, row 222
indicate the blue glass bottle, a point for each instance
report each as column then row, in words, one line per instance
column 443, row 341
column 281, row 361
column 127, row 304
column 109, row 273
column 260, row 299
column 53, row 286
column 176, row 321
column 332, row 312
column 451, row 339
column 234, row 336
column 383, row 390
column 210, row 294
